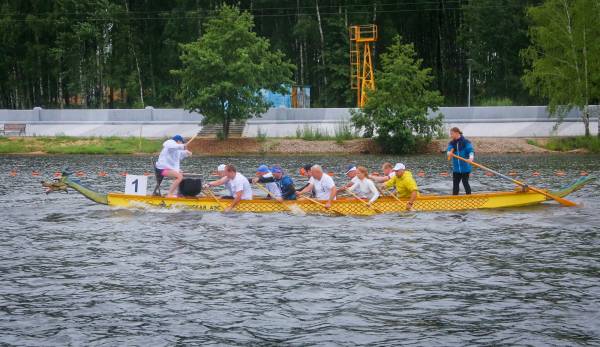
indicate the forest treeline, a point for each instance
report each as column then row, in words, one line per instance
column 120, row 53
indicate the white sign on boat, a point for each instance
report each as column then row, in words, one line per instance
column 136, row 184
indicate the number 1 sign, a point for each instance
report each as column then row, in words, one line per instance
column 136, row 185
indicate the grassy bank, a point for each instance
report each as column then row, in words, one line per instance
column 79, row 145
column 564, row 144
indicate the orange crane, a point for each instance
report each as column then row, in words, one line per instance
column 362, row 38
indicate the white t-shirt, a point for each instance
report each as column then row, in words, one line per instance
column 365, row 189
column 322, row 187
column 354, row 181
column 170, row 156
column 240, row 183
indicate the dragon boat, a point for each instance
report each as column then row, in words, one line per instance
column 342, row 206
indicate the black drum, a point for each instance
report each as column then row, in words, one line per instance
column 190, row 187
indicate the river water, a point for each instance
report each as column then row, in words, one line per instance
column 76, row 273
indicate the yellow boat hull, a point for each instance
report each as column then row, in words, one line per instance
column 340, row 206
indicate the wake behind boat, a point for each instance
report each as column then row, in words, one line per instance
column 342, row 206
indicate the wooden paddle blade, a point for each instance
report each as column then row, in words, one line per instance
column 558, row 199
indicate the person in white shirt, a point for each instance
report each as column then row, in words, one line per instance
column 174, row 150
column 323, row 185
column 351, row 174
column 240, row 187
column 365, row 188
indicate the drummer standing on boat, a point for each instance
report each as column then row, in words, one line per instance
column 174, row 150
column 461, row 170
column 322, row 185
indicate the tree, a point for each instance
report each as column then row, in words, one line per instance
column 563, row 58
column 494, row 32
column 397, row 111
column 225, row 70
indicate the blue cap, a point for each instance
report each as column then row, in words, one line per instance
column 263, row 169
column 178, row 138
column 276, row 169
column 350, row 168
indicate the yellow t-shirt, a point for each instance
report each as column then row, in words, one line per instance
column 404, row 185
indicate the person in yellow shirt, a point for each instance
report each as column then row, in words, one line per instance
column 405, row 184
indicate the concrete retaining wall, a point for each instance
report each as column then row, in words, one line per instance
column 509, row 121
column 148, row 122
column 513, row 121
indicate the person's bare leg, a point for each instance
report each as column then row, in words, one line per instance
column 178, row 177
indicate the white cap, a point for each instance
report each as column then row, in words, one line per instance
column 399, row 166
column 221, row 167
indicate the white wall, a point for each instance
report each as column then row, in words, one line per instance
column 513, row 121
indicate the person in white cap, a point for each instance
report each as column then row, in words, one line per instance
column 351, row 174
column 222, row 181
column 405, row 184
column 323, row 185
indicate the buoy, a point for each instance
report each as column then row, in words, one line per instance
column 80, row 174
column 123, row 173
column 57, row 174
column 512, row 173
column 535, row 174
column 146, row 173
column 302, row 172
column 421, row 174
column 444, row 174
column 102, row 174
column 560, row 173
column 489, row 174
column 35, row 173
column 13, row 173
column 584, row 173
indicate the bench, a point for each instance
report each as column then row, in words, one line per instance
column 18, row 129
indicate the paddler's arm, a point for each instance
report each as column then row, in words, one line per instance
column 307, row 188
column 380, row 179
column 411, row 201
column 221, row 181
column 236, row 200
column 332, row 194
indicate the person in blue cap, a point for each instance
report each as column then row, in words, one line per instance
column 173, row 152
column 285, row 183
column 264, row 176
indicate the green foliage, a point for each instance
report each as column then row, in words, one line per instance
column 493, row 33
column 80, row 145
column 495, row 102
column 396, row 112
column 224, row 71
column 563, row 144
column 562, row 61
column 261, row 136
column 117, row 53
column 311, row 134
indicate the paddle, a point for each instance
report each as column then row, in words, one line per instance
column 293, row 208
column 519, row 183
column 386, row 191
column 322, row 205
column 364, row 202
column 210, row 192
